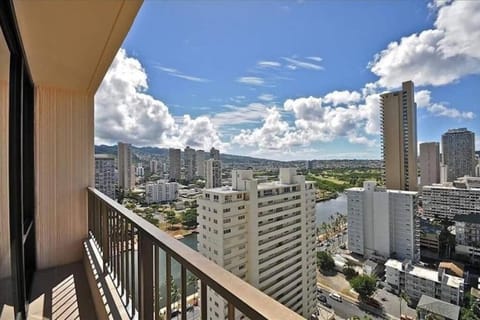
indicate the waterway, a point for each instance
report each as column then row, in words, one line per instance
column 325, row 209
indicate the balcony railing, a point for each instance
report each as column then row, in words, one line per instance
column 131, row 248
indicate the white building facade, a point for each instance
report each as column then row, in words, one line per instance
column 189, row 161
column 416, row 281
column 200, row 163
column 383, row 222
column 161, row 191
column 105, row 174
column 126, row 170
column 265, row 234
column 213, row 173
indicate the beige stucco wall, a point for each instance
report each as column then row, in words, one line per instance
column 4, row 195
column 64, row 151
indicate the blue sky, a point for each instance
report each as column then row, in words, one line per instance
column 239, row 75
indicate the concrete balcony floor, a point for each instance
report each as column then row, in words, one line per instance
column 57, row 293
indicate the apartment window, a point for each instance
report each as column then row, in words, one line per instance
column 226, row 210
column 215, row 221
column 227, row 220
column 242, row 217
column 227, row 231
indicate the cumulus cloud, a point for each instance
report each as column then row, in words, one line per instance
column 342, row 97
column 255, row 81
column 423, row 100
column 436, row 56
column 124, row 111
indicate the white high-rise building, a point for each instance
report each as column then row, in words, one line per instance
column 125, row 172
column 382, row 222
column 140, row 171
column 189, row 161
column 447, row 200
column 200, row 163
column 161, row 191
column 153, row 166
column 105, row 174
column 213, row 173
column 263, row 233
column 429, row 163
column 174, row 168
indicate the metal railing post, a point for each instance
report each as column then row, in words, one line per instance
column 145, row 268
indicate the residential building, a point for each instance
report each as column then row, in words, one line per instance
column 154, row 166
column 446, row 283
column 429, row 238
column 105, row 174
column 263, row 233
column 399, row 138
column 174, row 168
column 189, row 162
column 430, row 308
column 161, row 191
column 458, row 151
column 467, row 236
column 58, row 254
column 447, row 200
column 200, row 163
column 213, row 173
column 214, row 154
column 140, row 171
column 382, row 222
column 429, row 163
column 125, row 174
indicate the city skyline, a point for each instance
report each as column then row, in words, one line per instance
column 287, row 96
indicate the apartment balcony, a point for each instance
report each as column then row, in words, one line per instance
column 67, row 251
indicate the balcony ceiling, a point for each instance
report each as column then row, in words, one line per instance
column 71, row 44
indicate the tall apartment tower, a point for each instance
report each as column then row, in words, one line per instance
column 429, row 163
column 105, row 174
column 200, row 163
column 189, row 161
column 213, row 173
column 214, row 154
column 264, row 233
column 153, row 166
column 458, row 150
column 399, row 138
column 125, row 166
column 174, row 164
column 382, row 222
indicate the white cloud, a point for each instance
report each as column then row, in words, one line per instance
column 436, row 56
column 266, row 97
column 295, row 63
column 125, row 112
column 423, row 100
column 269, row 64
column 255, row 81
column 314, row 58
column 175, row 73
column 342, row 97
column 252, row 113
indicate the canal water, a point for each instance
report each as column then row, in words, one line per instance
column 325, row 209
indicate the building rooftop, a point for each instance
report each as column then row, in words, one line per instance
column 274, row 184
column 439, row 307
column 224, row 190
column 455, row 268
column 392, row 263
column 424, row 273
column 469, row 218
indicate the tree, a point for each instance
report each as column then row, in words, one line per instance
column 349, row 272
column 189, row 218
column 171, row 218
column 192, row 281
column 325, row 261
column 364, row 285
column 174, row 292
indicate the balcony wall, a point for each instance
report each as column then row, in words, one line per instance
column 4, row 200
column 64, row 133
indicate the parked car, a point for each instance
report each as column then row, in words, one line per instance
column 336, row 296
column 319, row 290
column 322, row 298
column 326, row 304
